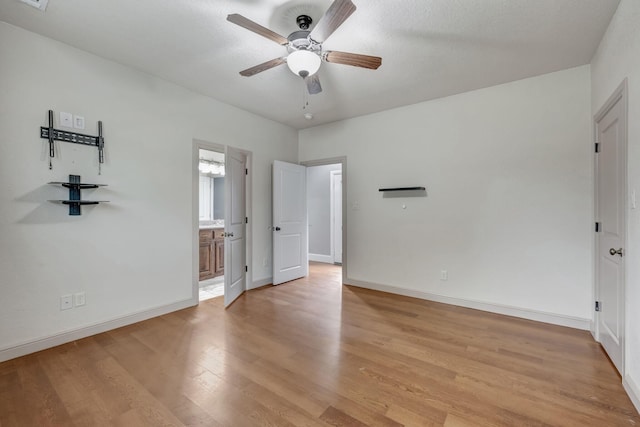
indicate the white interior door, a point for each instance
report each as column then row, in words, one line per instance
column 290, row 232
column 336, row 215
column 610, row 206
column 235, row 242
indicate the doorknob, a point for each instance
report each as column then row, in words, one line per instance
column 227, row 234
column 615, row 252
column 276, row 228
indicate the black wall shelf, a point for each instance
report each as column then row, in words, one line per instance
column 402, row 189
column 74, row 185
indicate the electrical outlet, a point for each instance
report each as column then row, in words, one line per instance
column 66, row 119
column 66, row 302
column 444, row 275
column 79, row 299
column 78, row 122
column 264, row 262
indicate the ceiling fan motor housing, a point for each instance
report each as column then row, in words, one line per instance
column 299, row 40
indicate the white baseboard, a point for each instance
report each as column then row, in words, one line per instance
column 632, row 390
column 86, row 331
column 555, row 319
column 321, row 258
column 260, row 282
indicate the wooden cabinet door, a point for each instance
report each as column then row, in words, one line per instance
column 219, row 257
column 206, row 255
column 205, row 261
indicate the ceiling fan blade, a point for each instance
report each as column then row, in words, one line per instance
column 257, row 28
column 262, row 67
column 353, row 59
column 313, row 84
column 337, row 13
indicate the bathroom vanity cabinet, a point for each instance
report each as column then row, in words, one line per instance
column 211, row 253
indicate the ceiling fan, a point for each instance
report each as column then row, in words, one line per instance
column 305, row 47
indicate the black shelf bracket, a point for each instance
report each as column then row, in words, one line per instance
column 75, row 201
column 52, row 134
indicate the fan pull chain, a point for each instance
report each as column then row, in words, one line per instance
column 305, row 96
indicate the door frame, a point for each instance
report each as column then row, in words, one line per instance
column 332, row 198
column 343, row 162
column 195, row 221
column 619, row 95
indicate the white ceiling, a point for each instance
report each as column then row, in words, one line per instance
column 429, row 48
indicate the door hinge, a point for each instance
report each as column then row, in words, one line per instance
column 246, row 269
column 598, row 307
column 597, row 227
column 246, row 171
column 246, row 220
column 597, row 147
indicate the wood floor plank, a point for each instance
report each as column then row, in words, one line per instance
column 35, row 385
column 314, row 353
column 336, row 417
column 282, row 406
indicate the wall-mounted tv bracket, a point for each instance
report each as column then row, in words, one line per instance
column 53, row 134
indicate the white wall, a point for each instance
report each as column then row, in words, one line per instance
column 319, row 209
column 134, row 254
column 617, row 58
column 509, row 207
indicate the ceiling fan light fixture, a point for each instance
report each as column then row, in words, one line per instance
column 303, row 61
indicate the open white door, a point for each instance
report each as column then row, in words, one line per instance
column 336, row 215
column 290, row 232
column 235, row 242
column 611, row 160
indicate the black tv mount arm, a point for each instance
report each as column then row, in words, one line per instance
column 53, row 134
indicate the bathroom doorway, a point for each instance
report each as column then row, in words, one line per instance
column 211, row 211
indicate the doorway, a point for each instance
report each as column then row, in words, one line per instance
column 324, row 186
column 225, row 249
column 326, row 196
column 211, row 209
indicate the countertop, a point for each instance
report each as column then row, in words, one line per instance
column 210, row 227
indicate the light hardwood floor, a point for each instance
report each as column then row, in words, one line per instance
column 313, row 353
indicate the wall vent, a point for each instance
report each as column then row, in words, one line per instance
column 38, row 4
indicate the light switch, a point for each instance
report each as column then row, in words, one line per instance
column 66, row 119
column 78, row 122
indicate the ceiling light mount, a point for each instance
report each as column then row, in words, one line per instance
column 304, row 22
